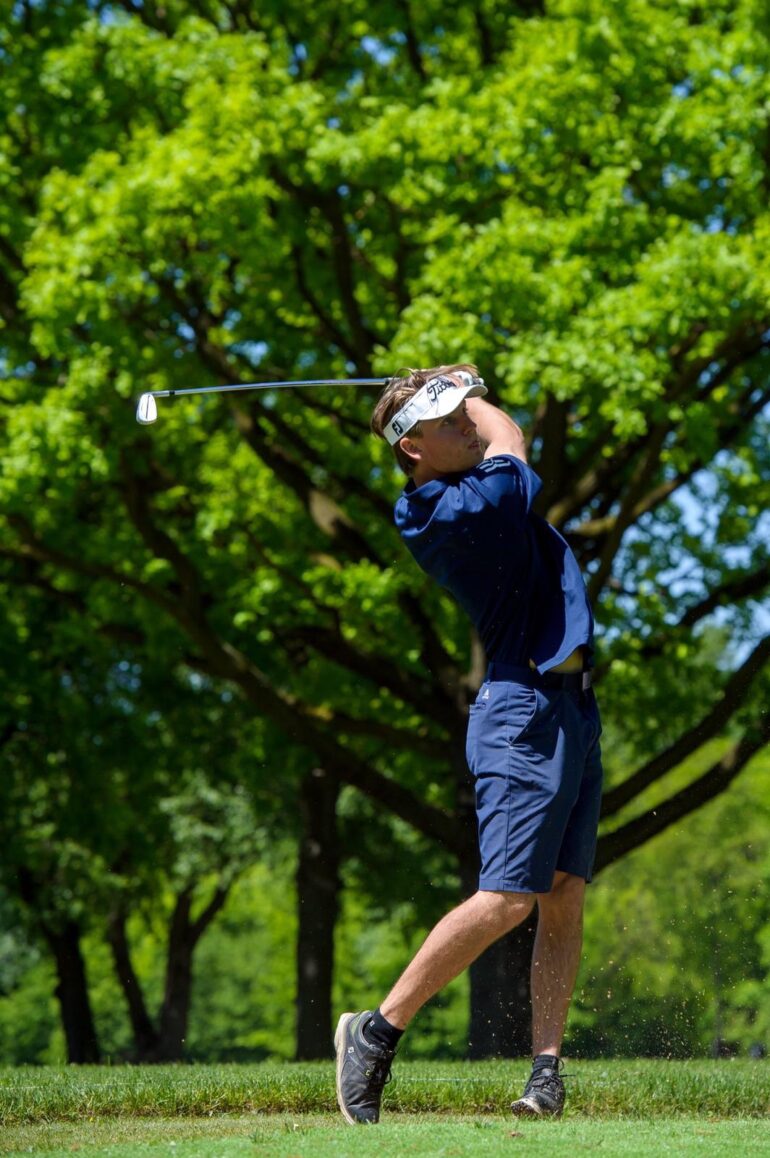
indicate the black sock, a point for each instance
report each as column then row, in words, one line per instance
column 548, row 1060
column 380, row 1032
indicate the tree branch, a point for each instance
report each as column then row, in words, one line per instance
column 206, row 916
column 332, row 332
column 731, row 697
column 747, row 410
column 225, row 661
column 551, row 424
column 362, row 340
column 413, row 53
column 144, row 1032
column 377, row 670
column 36, row 549
column 617, row 844
column 641, row 477
column 733, row 590
column 395, row 738
column 590, row 479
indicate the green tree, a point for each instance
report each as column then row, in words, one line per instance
column 573, row 196
column 108, row 807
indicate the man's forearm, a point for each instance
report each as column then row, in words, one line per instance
column 497, row 431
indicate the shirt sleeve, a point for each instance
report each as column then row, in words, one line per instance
column 504, row 483
column 466, row 515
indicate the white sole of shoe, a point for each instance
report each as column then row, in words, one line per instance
column 339, row 1049
column 528, row 1108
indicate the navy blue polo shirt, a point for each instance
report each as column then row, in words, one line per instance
column 513, row 573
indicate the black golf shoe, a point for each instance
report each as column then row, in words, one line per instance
column 363, row 1069
column 543, row 1095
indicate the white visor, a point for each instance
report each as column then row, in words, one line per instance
column 435, row 399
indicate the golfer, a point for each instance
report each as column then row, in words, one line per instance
column 533, row 733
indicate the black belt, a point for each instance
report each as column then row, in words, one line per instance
column 578, row 681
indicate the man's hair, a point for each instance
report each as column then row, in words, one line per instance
column 397, row 393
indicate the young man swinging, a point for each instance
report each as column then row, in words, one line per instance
column 533, row 732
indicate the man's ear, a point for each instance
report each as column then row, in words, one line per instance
column 411, row 449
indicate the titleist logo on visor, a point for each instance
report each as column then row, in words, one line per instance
column 437, row 386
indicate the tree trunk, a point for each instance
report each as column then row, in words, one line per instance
column 144, row 1032
column 318, row 906
column 176, row 997
column 501, row 1008
column 72, row 994
column 166, row 1043
column 184, row 935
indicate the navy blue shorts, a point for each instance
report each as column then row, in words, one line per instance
column 534, row 754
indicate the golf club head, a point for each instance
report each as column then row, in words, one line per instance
column 147, row 410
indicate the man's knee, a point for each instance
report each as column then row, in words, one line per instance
column 566, row 895
column 505, row 910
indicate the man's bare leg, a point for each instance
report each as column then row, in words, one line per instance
column 363, row 1058
column 555, row 960
column 455, row 942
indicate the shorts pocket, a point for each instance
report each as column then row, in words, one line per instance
column 498, row 720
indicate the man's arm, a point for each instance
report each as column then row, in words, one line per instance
column 497, row 431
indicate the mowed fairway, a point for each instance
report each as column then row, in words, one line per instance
column 452, row 1109
column 314, row 1136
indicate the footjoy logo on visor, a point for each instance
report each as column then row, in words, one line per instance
column 437, row 398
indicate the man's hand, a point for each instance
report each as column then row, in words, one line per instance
column 497, row 431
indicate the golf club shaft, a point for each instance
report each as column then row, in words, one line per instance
column 269, row 386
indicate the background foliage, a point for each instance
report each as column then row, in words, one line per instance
column 218, row 665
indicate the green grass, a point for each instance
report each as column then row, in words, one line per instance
column 314, row 1136
column 431, row 1108
column 643, row 1088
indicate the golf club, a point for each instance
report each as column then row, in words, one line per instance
column 147, row 410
